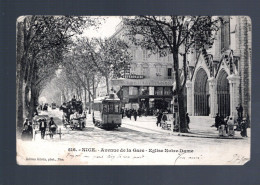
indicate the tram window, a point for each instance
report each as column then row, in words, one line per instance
column 117, row 108
column 104, row 108
column 111, row 107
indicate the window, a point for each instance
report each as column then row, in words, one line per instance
column 134, row 54
column 167, row 90
column 157, row 56
column 144, row 90
column 105, row 108
column 117, row 108
column 169, row 57
column 144, row 54
column 158, row 70
column 111, row 107
column 145, row 71
column 133, row 69
column 225, row 34
column 133, row 90
column 158, row 91
column 169, row 73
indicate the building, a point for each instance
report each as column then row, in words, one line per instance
column 219, row 78
column 147, row 81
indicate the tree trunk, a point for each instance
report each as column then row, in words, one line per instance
column 19, row 78
column 32, row 101
column 107, row 84
column 182, row 117
column 89, row 97
column 85, row 97
column 94, row 92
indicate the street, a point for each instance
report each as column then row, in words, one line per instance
column 142, row 131
column 145, row 135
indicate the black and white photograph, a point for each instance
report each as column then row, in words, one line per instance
column 133, row 90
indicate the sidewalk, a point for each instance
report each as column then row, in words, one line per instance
column 200, row 126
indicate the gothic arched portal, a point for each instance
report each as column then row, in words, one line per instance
column 223, row 94
column 201, row 94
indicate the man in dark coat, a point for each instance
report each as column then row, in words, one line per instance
column 159, row 118
column 240, row 111
column 139, row 112
column 122, row 113
column 130, row 114
column 244, row 126
column 42, row 127
column 135, row 114
column 217, row 121
column 188, row 120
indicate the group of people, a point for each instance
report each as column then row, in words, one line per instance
column 160, row 117
column 131, row 112
column 77, row 119
column 225, row 126
column 43, row 126
column 27, row 133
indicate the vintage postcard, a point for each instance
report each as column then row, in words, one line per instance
column 133, row 90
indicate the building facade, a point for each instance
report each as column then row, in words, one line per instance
column 219, row 78
column 147, row 82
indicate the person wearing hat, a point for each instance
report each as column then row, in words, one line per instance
column 42, row 127
column 27, row 130
column 52, row 127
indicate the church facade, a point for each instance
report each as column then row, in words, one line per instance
column 220, row 79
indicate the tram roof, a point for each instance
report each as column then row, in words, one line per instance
column 106, row 99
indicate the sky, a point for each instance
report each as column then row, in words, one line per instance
column 106, row 29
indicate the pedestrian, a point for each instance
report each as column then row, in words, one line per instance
column 52, row 127
column 244, row 126
column 122, row 112
column 230, row 125
column 43, row 126
column 73, row 101
column 222, row 130
column 135, row 114
column 188, row 120
column 145, row 112
column 139, row 112
column 27, row 133
column 226, row 126
column 159, row 118
column 217, row 121
column 130, row 113
column 240, row 111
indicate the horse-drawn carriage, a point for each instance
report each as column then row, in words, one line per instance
column 73, row 115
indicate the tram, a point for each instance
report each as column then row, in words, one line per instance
column 107, row 112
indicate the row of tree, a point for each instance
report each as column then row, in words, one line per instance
column 88, row 62
column 41, row 42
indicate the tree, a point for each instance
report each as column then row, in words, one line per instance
column 109, row 57
column 37, row 38
column 175, row 35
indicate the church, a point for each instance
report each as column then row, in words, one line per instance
column 220, row 79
